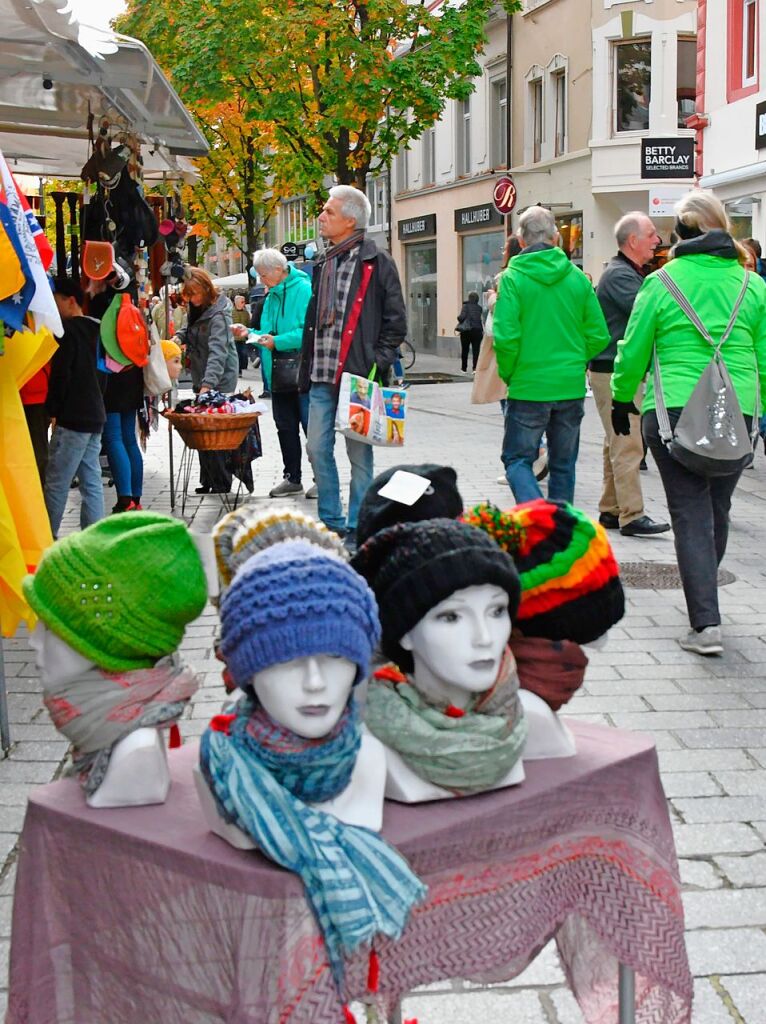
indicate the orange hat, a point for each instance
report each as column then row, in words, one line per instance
column 132, row 335
column 97, row 260
column 170, row 349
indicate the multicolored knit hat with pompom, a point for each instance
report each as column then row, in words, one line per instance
column 570, row 580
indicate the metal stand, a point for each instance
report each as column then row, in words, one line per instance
column 5, row 730
column 627, row 994
column 228, row 501
column 172, row 471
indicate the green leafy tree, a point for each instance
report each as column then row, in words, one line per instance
column 343, row 84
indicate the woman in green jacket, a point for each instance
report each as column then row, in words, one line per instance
column 706, row 266
column 282, row 316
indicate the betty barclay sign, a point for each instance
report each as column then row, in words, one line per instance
column 667, row 158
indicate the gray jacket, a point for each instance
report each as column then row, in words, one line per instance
column 212, row 351
column 616, row 292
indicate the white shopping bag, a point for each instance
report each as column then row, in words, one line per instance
column 370, row 413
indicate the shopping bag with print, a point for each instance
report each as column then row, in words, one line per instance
column 369, row 413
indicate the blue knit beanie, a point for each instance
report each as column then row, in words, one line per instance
column 293, row 600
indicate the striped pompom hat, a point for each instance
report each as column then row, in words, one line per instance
column 570, row 580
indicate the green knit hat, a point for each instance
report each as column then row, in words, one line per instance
column 121, row 591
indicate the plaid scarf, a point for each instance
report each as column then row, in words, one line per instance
column 98, row 709
column 336, row 274
column 462, row 751
column 328, row 267
column 356, row 884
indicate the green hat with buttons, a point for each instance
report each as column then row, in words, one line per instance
column 122, row 591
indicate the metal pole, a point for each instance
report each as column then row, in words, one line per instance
column 627, row 994
column 5, row 731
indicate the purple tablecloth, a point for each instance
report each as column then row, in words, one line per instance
column 135, row 916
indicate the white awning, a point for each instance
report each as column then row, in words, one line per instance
column 54, row 70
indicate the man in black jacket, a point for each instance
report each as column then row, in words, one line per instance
column 622, row 503
column 76, row 405
column 355, row 320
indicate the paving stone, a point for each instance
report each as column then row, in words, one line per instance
column 28, row 771
column 724, row 808
column 760, row 827
column 748, row 995
column 605, row 705
column 8, row 841
column 709, row 1008
column 694, row 702
column 699, row 873
column 743, row 783
column 722, row 737
column 726, row 950
column 722, row 684
column 744, row 871
column 565, row 1007
column 674, row 672
column 759, row 755
column 476, row 1008
column 726, row 908
column 702, row 760
column 53, row 750
column 612, row 684
column 705, row 840
column 750, row 719
column 678, row 784
column 11, row 820
column 651, row 720
column 14, row 794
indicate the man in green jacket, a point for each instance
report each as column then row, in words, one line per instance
column 547, row 324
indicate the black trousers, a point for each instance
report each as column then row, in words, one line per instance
column 470, row 340
column 699, row 511
column 213, row 472
column 38, row 423
column 244, row 358
column 290, row 410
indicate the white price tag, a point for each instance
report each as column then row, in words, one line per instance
column 405, row 487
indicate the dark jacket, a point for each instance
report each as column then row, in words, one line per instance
column 382, row 323
column 124, row 390
column 75, row 389
column 212, row 353
column 616, row 292
column 470, row 316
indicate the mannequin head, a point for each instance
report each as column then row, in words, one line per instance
column 172, row 353
column 458, row 645
column 306, row 695
column 56, row 661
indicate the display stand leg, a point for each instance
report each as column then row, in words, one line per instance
column 395, row 1017
column 627, row 994
column 172, row 471
column 5, row 731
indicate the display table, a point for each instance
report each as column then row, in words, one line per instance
column 141, row 915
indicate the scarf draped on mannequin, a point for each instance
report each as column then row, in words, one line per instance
column 463, row 753
column 260, row 774
column 553, row 669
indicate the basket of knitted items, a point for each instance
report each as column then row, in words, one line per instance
column 212, row 432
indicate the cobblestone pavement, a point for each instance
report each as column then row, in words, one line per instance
column 708, row 717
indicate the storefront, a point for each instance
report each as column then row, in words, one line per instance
column 419, row 237
column 570, row 230
column 482, row 237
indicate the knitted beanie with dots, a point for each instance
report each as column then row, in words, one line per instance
column 121, row 591
column 441, row 500
column 293, row 600
column 411, row 567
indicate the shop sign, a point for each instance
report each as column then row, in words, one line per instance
column 291, row 250
column 662, row 201
column 667, row 158
column 417, row 227
column 760, row 125
column 471, row 218
column 504, row 195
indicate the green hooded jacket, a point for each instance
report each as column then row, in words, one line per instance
column 547, row 325
column 711, row 283
column 282, row 316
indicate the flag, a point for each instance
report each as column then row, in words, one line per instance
column 44, row 247
column 15, row 276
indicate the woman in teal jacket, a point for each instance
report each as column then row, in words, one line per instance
column 707, row 269
column 282, row 316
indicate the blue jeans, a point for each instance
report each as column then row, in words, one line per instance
column 525, row 424
column 74, row 454
column 124, row 455
column 323, row 401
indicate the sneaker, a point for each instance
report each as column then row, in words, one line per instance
column 540, row 465
column 502, row 479
column 707, row 641
column 643, row 527
column 286, row 487
column 609, row 521
column 643, row 466
column 312, row 492
column 265, row 394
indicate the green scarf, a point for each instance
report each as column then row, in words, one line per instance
column 465, row 754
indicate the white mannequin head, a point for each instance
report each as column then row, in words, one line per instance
column 56, row 661
column 306, row 695
column 457, row 647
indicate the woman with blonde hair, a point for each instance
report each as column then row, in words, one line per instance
column 213, row 360
column 707, row 268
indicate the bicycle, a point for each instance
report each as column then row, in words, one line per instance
column 407, row 355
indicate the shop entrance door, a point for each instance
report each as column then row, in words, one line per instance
column 421, row 294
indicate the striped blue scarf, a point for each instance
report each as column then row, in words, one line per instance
column 356, row 884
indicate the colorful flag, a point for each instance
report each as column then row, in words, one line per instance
column 13, row 308
column 44, row 247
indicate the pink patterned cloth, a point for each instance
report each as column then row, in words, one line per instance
column 141, row 914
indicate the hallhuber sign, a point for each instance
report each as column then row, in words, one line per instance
column 417, row 227
column 667, row 158
column 471, row 218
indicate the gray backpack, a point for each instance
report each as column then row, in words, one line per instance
column 711, row 436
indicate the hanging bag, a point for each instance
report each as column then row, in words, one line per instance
column 285, row 367
column 711, row 436
column 156, row 377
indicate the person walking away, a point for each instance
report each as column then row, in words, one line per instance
column 123, row 398
column 282, row 319
column 471, row 331
column 548, row 325
column 241, row 315
column 75, row 404
column 355, row 321
column 213, row 361
column 706, row 268
column 621, row 505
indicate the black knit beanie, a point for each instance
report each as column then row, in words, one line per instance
column 411, row 567
column 441, row 500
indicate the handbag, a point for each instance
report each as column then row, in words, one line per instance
column 370, row 413
column 156, row 377
column 711, row 437
column 285, row 367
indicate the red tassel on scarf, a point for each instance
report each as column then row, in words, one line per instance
column 348, row 1017
column 452, row 712
column 174, row 737
column 373, row 972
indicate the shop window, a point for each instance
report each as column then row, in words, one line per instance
column 740, row 213
column 429, row 156
column 560, row 112
column 742, row 48
column 749, row 33
column 686, row 79
column 402, row 171
column 421, row 293
column 570, row 230
column 536, row 112
column 464, row 137
column 482, row 257
column 298, row 227
column 377, row 193
column 498, row 124
column 633, row 85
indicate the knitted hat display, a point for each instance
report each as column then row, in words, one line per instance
column 291, row 601
column 441, row 500
column 121, row 591
column 413, row 566
column 250, row 529
column 570, row 580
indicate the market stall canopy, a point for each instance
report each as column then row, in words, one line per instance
column 233, row 281
column 54, row 71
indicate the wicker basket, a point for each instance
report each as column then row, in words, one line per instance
column 212, row 432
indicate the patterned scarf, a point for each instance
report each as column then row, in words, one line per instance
column 98, row 709
column 328, row 268
column 553, row 669
column 464, row 752
column 356, row 884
